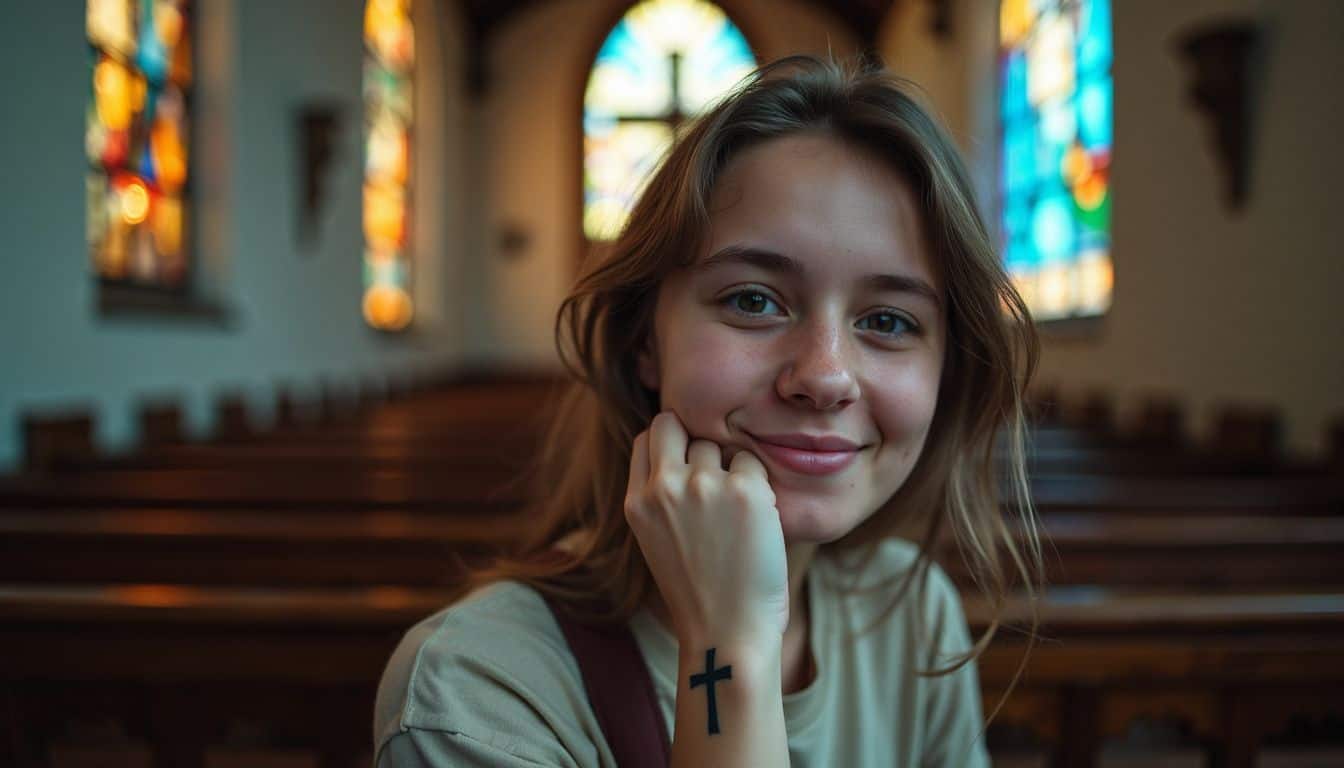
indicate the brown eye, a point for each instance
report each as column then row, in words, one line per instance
column 751, row 302
column 888, row 323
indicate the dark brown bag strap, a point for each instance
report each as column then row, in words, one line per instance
column 620, row 690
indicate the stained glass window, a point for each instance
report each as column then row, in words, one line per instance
column 665, row 61
column 389, row 62
column 136, row 140
column 1055, row 183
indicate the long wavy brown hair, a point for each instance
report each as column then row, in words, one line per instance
column 580, row 478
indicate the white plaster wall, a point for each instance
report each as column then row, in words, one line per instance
column 295, row 308
column 1211, row 306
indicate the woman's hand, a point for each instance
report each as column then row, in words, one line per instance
column 712, row 538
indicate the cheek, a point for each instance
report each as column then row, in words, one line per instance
column 706, row 375
column 904, row 409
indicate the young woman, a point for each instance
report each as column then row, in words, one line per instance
column 796, row 357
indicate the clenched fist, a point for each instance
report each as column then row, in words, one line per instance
column 711, row 537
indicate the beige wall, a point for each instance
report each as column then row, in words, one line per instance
column 1211, row 306
column 529, row 144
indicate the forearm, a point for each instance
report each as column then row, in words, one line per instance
column 747, row 711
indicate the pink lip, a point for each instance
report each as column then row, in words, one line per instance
column 809, row 442
column 819, row 458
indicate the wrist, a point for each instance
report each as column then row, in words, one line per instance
column 750, row 662
column 701, row 638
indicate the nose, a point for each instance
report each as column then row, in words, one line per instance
column 819, row 370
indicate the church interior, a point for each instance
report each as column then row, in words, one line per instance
column 282, row 338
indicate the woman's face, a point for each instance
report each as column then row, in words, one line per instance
column 813, row 312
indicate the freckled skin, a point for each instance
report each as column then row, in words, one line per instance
column 811, row 359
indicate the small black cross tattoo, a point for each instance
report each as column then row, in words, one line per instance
column 708, row 678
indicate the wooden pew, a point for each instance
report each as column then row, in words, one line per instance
column 1202, row 552
column 1234, row 668
column 1155, row 494
column 194, row 661
column 1052, row 451
column 247, row 547
column 313, row 484
column 284, row 547
column 182, row 668
column 371, row 512
column 476, row 489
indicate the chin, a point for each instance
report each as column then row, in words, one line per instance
column 814, row 521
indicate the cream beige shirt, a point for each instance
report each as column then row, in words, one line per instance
column 489, row 681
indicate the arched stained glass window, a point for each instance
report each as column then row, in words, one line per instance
column 136, row 140
column 665, row 61
column 389, row 61
column 1056, row 111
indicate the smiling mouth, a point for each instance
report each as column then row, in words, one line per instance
column 806, row 461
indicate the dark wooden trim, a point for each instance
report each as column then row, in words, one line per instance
column 1095, row 414
column 1248, row 430
column 126, row 302
column 1335, row 447
column 160, row 423
column 1065, row 329
column 286, row 408
column 1161, row 422
column 339, row 401
column 53, row 440
column 232, row 420
column 1221, row 58
column 369, row 392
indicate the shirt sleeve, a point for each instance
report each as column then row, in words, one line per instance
column 489, row 681
column 955, row 724
column 424, row 748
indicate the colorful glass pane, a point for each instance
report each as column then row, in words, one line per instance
column 663, row 62
column 619, row 158
column 137, row 140
column 110, row 26
column 389, row 60
column 389, row 34
column 1056, row 108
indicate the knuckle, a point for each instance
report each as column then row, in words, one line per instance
column 632, row 508
column 741, row 485
column 702, row 486
column 666, row 490
column 747, row 492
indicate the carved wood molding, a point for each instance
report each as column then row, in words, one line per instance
column 1220, row 56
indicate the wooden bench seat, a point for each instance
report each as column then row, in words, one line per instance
column 247, row 547
column 1235, row 666
column 280, row 486
column 286, row 547
column 163, row 590
column 1191, row 551
column 1314, row 495
column 312, row 485
column 1091, row 616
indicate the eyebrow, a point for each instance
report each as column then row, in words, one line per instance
column 772, row 261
